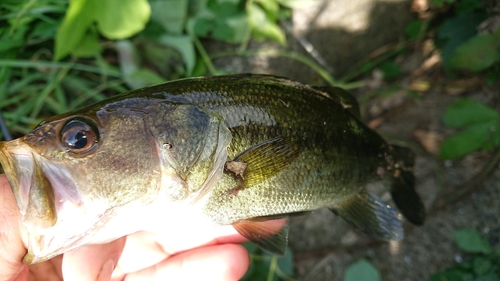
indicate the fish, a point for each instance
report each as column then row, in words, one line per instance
column 234, row 150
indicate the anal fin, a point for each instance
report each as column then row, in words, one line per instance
column 371, row 215
column 271, row 235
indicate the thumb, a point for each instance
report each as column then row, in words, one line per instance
column 12, row 249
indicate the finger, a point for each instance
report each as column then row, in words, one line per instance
column 92, row 262
column 46, row 271
column 12, row 249
column 185, row 238
column 141, row 244
column 219, row 262
column 153, row 248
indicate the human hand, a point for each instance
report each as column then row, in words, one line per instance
column 198, row 254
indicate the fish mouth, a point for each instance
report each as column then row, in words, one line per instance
column 17, row 161
column 54, row 215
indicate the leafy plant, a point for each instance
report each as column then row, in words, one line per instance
column 480, row 124
column 77, row 33
column 476, row 54
column 462, row 47
column 265, row 266
column 483, row 266
column 362, row 270
column 31, row 85
column 158, row 40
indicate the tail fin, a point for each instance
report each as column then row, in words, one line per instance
column 402, row 182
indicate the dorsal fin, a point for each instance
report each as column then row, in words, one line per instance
column 343, row 97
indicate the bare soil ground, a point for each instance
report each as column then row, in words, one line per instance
column 344, row 33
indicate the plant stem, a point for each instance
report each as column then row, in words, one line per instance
column 300, row 58
column 361, row 67
column 204, row 56
column 272, row 268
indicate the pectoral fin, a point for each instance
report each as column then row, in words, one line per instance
column 371, row 215
column 266, row 159
column 271, row 236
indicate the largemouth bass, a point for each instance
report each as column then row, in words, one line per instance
column 239, row 150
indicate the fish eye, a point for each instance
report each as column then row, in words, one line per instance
column 78, row 136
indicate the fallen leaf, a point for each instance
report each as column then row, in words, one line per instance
column 420, row 86
column 430, row 140
column 375, row 123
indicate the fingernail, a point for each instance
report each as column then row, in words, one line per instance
column 106, row 270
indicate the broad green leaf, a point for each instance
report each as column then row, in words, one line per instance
column 414, row 29
column 260, row 265
column 473, row 138
column 165, row 60
column 482, row 265
column 240, row 27
column 223, row 31
column 455, row 31
column 297, row 4
column 251, row 247
column 488, row 277
column 390, row 69
column 271, row 8
column 285, row 262
column 468, row 6
column 89, row 46
column 121, row 19
column 171, row 14
column 184, row 45
column 470, row 241
column 494, row 139
column 449, row 275
column 476, row 54
column 74, row 26
column 203, row 26
column 493, row 75
column 362, row 270
column 226, row 9
column 262, row 27
column 466, row 112
column 200, row 69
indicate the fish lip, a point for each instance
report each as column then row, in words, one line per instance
column 17, row 161
column 22, row 165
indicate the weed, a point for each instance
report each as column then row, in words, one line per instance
column 483, row 265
